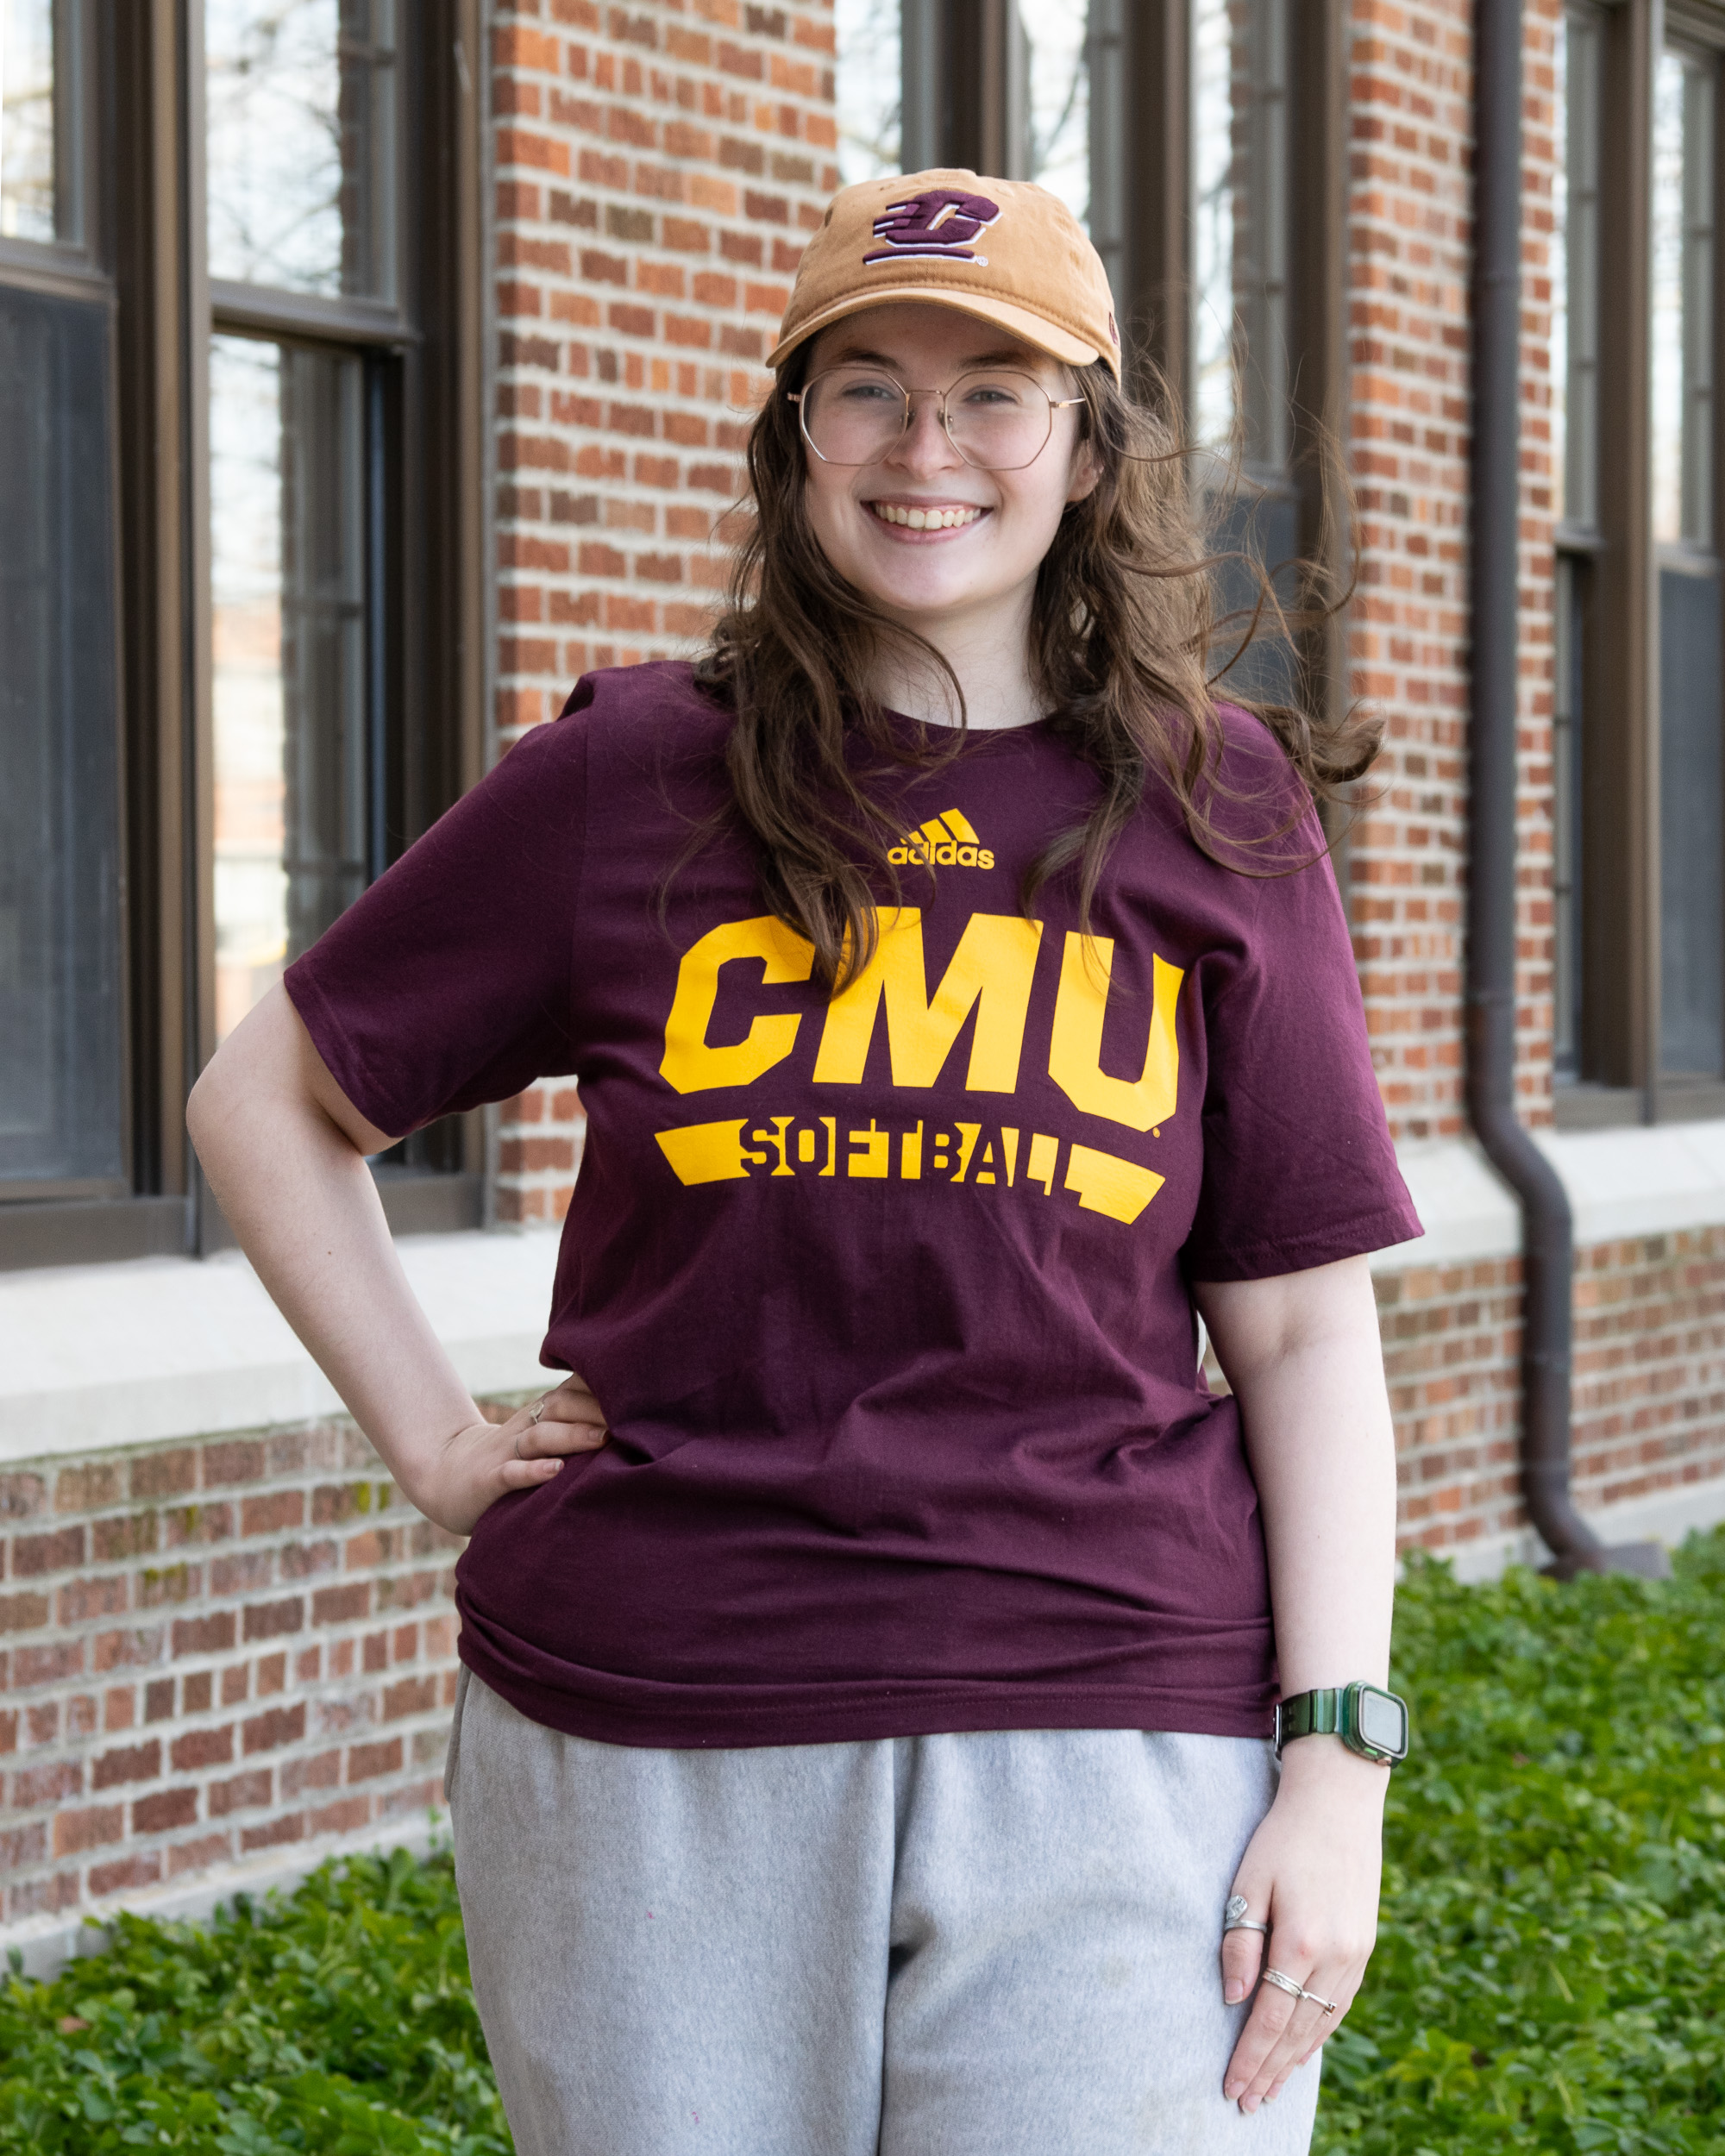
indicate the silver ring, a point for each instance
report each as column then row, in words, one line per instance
column 518, row 1444
column 1234, row 1917
column 537, row 1408
column 1298, row 1990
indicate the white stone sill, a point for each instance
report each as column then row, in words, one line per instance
column 1644, row 1181
column 93, row 1356
column 98, row 1356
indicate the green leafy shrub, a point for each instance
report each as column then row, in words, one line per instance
column 338, row 2021
column 1550, row 1971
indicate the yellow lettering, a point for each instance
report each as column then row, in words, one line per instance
column 1044, row 1152
column 1120, row 1188
column 910, row 1156
column 690, row 1065
column 1009, row 1146
column 1074, row 1053
column 968, row 1135
column 991, row 970
column 706, row 1152
column 871, row 1152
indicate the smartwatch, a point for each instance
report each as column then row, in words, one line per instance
column 1371, row 1722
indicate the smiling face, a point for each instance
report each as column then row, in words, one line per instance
column 935, row 543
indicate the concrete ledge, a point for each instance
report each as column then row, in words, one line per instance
column 1666, row 1516
column 44, row 1945
column 1621, row 1183
column 159, row 1348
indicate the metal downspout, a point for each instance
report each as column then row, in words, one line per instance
column 1547, row 1230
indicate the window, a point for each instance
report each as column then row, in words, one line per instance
column 1639, row 777
column 64, row 1131
column 1575, row 358
column 240, row 555
column 1691, row 1032
column 868, row 88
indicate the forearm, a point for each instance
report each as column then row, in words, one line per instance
column 1322, row 1453
column 301, row 1200
column 1306, row 1368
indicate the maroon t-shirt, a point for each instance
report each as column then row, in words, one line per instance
column 886, row 1301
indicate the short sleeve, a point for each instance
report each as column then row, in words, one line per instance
column 447, row 984
column 1299, row 1166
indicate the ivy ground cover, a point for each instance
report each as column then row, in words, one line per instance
column 1550, row 1972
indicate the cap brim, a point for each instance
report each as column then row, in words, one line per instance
column 1033, row 329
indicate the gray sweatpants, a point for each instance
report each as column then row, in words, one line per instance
column 993, row 1944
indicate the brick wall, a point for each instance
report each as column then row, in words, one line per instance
column 1648, row 1389
column 1409, row 211
column 207, row 1651
column 658, row 170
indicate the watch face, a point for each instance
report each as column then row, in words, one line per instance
column 1383, row 1721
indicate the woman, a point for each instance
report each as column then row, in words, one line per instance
column 869, row 1655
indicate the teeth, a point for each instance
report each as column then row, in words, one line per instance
column 925, row 519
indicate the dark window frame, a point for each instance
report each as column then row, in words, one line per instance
column 143, row 251
column 1621, row 1079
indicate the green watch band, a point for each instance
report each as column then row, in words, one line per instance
column 1372, row 1722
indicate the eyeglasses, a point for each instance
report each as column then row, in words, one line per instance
column 996, row 418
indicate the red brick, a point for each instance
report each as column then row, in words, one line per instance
column 88, row 1488
column 269, row 1620
column 23, row 1845
column 367, row 1762
column 199, row 1856
column 280, row 1726
column 22, row 1496
column 156, row 1474
column 163, row 1810
column 33, row 1555
column 89, row 1828
column 342, row 1605
column 23, row 1613
column 412, row 1695
column 127, row 1762
column 269, row 1515
column 133, row 1535
column 53, row 1783
column 202, row 1748
column 243, row 1792
column 140, row 1870
column 273, row 1836
column 213, row 1634
column 233, row 1461
column 80, row 1599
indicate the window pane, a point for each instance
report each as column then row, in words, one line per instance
column 1683, row 299
column 302, row 100
column 1575, row 274
column 287, row 488
column 868, row 82
column 60, row 973
column 38, row 120
column 1692, row 815
column 1568, row 683
column 1240, row 190
column 1057, row 36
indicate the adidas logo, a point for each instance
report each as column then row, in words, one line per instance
column 946, row 841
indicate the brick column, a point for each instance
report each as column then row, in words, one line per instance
column 657, row 172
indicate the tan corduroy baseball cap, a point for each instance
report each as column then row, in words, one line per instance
column 1004, row 250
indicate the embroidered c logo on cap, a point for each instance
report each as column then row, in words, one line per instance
column 941, row 221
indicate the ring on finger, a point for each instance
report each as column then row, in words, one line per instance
column 1297, row 1990
column 1234, row 1917
column 538, row 1409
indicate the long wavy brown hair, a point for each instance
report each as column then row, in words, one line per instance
column 1126, row 633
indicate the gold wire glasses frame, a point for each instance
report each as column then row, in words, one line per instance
column 800, row 398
